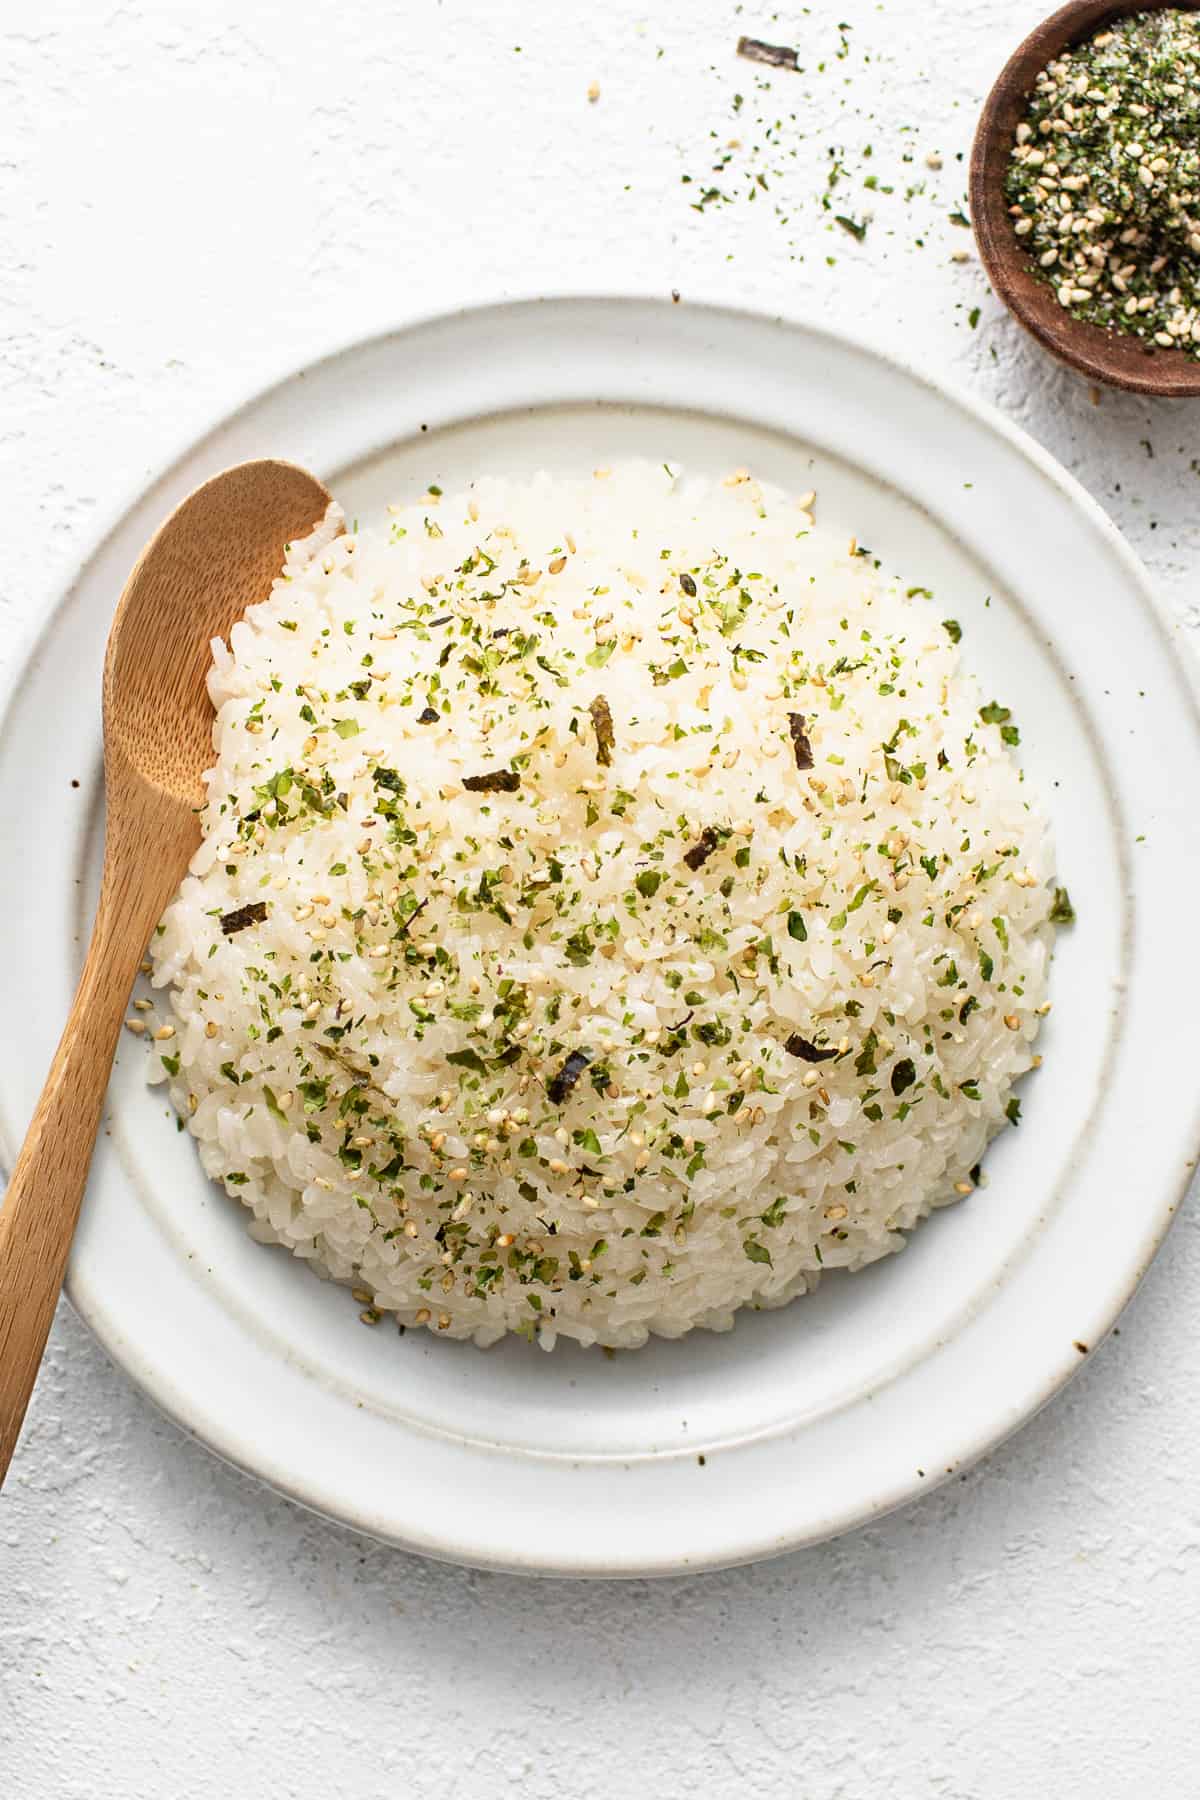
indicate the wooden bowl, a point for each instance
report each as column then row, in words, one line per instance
column 1115, row 359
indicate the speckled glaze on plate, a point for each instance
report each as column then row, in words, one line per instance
column 800, row 1423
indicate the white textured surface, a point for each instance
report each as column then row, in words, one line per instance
column 190, row 201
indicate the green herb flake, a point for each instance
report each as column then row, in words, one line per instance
column 904, row 1076
column 1061, row 910
column 995, row 714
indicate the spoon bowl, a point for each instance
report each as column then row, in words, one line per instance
column 216, row 555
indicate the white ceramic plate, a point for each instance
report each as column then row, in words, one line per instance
column 803, row 1422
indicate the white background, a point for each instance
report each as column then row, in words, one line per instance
column 193, row 199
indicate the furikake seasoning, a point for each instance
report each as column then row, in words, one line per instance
column 242, row 916
column 1104, row 181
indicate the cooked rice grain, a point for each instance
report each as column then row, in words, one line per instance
column 511, row 1055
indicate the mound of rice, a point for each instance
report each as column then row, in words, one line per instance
column 615, row 907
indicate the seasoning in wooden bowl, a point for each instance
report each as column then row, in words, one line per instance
column 1104, row 180
column 1085, row 190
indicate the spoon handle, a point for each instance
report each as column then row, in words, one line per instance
column 38, row 1215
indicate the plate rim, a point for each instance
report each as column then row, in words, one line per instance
column 159, row 1387
column 287, row 370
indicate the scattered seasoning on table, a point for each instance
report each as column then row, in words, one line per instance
column 775, row 152
column 777, row 56
column 1104, row 181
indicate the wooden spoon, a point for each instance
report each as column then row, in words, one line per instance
column 216, row 554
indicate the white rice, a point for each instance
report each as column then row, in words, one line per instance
column 885, row 909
